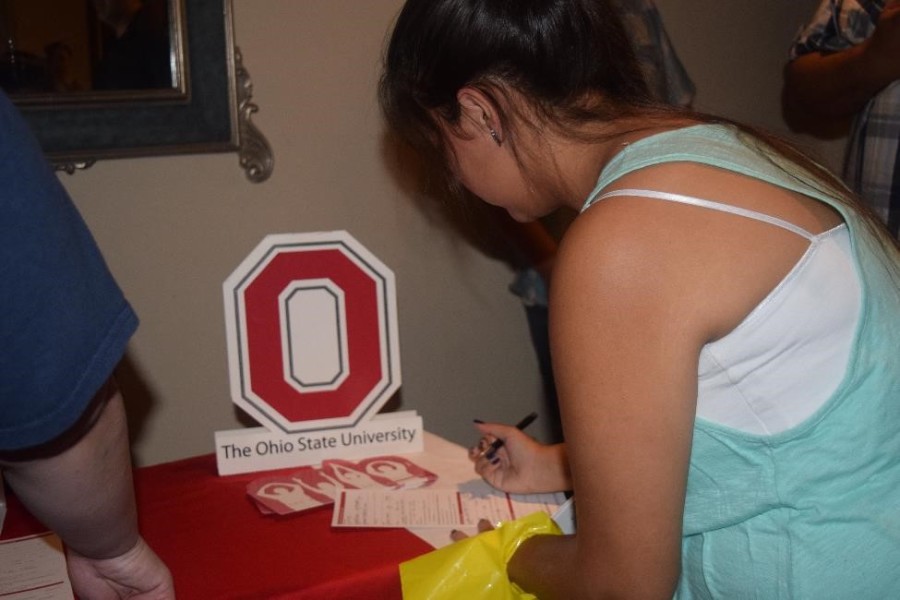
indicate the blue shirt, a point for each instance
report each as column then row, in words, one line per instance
column 65, row 322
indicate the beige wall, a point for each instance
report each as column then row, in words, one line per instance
column 173, row 228
column 735, row 52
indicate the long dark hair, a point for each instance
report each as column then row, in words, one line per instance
column 554, row 52
column 571, row 60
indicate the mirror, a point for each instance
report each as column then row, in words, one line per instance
column 64, row 49
column 100, row 79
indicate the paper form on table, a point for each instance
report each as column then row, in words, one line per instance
column 434, row 507
column 34, row 568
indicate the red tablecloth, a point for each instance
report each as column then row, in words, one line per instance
column 219, row 546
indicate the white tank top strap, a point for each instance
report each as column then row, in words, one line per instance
column 736, row 210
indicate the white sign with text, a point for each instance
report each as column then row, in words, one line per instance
column 313, row 355
column 259, row 449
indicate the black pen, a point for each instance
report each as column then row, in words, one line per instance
column 491, row 450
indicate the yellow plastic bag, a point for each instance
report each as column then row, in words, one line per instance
column 473, row 568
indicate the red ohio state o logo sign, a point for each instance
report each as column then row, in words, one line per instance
column 311, row 321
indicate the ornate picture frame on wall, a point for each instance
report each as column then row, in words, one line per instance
column 206, row 109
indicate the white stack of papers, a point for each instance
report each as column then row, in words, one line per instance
column 34, row 568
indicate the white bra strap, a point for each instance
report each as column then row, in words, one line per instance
column 751, row 214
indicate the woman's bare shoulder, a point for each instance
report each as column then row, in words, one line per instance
column 709, row 265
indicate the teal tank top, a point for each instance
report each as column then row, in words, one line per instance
column 813, row 511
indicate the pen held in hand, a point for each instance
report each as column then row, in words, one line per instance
column 491, row 450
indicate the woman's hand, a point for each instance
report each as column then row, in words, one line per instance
column 522, row 465
column 483, row 525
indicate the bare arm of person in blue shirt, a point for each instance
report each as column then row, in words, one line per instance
column 80, row 486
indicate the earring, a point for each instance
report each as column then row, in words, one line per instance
column 495, row 137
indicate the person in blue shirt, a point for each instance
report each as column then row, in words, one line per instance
column 64, row 447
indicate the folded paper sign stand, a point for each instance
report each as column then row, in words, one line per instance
column 313, row 355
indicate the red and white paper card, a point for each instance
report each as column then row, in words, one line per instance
column 311, row 487
column 400, row 472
